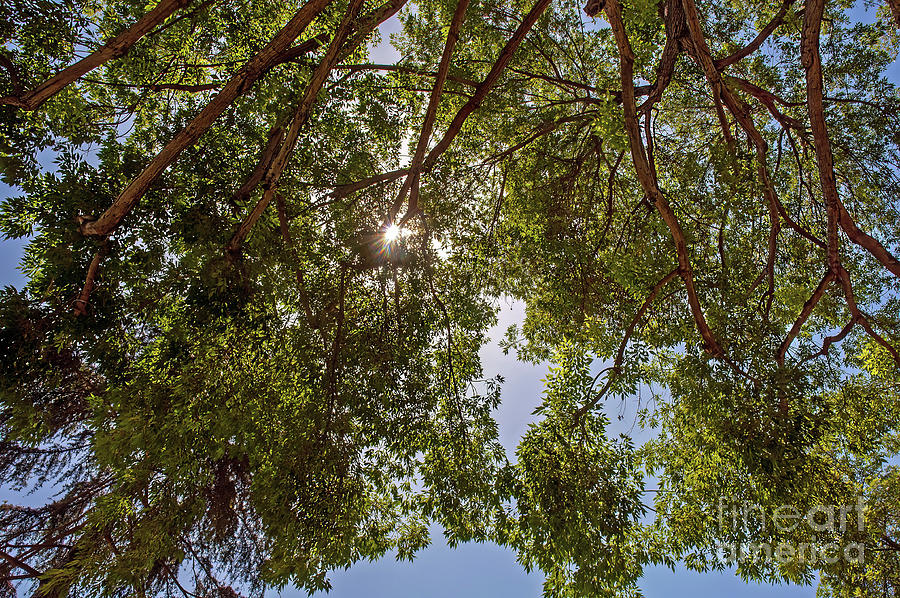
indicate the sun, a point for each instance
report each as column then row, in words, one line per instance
column 392, row 233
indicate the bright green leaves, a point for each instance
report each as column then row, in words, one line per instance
column 577, row 493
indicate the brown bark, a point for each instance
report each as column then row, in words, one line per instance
column 239, row 84
column 860, row 317
column 812, row 63
column 265, row 161
column 642, row 168
column 864, row 240
column 485, row 86
column 15, row 562
column 12, row 73
column 114, row 48
column 384, row 177
column 835, row 338
column 81, row 303
column 364, row 27
column 702, row 55
column 675, row 30
column 629, row 331
column 768, row 99
column 836, row 212
column 540, row 132
column 895, row 10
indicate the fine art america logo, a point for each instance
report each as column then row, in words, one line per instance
column 820, row 521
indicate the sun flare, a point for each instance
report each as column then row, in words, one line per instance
column 392, row 233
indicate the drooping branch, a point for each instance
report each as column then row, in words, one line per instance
column 742, row 117
column 620, row 354
column 30, row 571
column 835, row 338
column 186, row 87
column 114, row 48
column 856, row 317
column 768, row 99
column 239, row 84
column 642, row 168
column 700, row 52
column 799, row 229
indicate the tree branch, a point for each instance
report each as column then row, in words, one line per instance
column 239, row 84
column 114, row 48
column 804, row 315
column 642, row 168
column 812, row 63
column 301, row 115
column 757, row 42
column 411, row 183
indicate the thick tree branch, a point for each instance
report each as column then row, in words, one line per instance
column 239, row 84
column 411, row 183
column 866, row 241
column 895, row 11
column 265, row 162
column 646, row 178
column 349, row 188
column 675, row 31
column 15, row 562
column 300, row 116
column 812, row 63
column 114, row 48
column 12, row 72
column 860, row 317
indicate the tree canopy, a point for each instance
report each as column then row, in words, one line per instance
column 262, row 268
